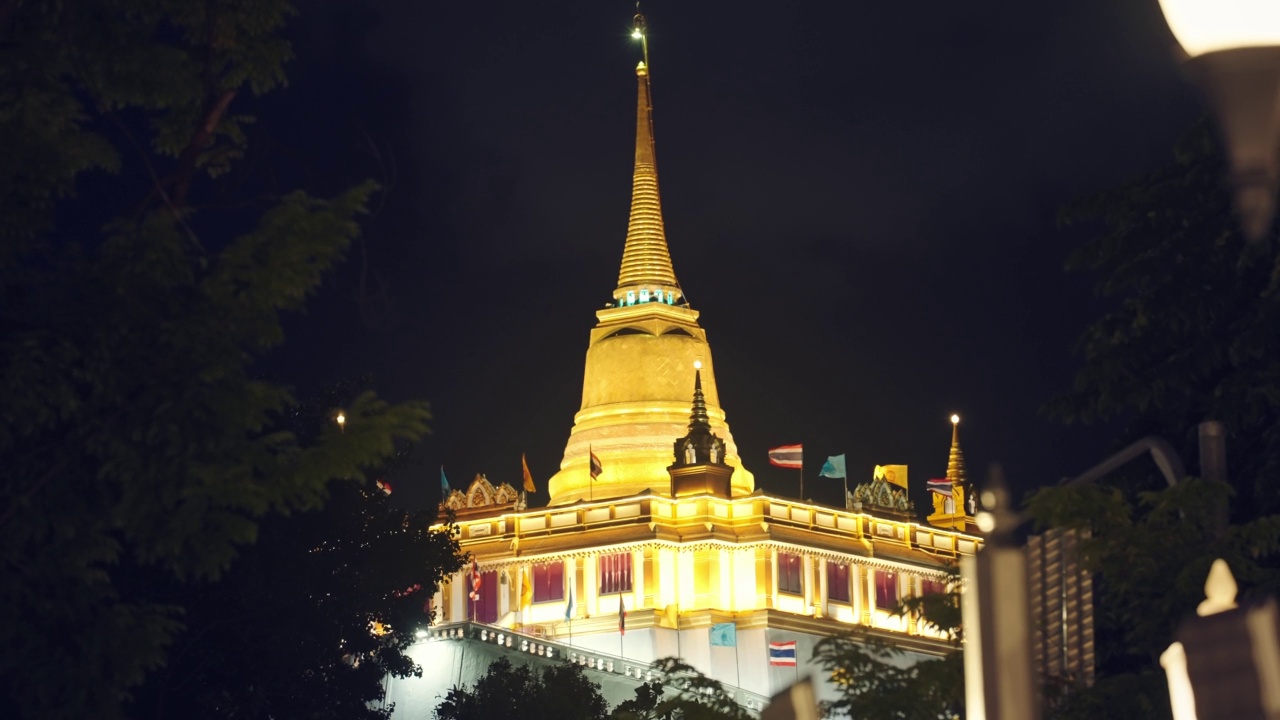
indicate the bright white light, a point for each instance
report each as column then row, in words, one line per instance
column 697, row 364
column 1182, row 698
column 955, row 419
column 1203, row 26
column 637, row 34
column 420, row 634
column 986, row 521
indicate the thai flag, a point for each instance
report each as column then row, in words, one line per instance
column 782, row 653
column 475, row 580
column 941, row 487
column 787, row 456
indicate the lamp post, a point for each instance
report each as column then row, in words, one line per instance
column 1232, row 50
column 1225, row 662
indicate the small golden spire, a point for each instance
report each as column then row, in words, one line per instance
column 955, row 461
column 646, row 274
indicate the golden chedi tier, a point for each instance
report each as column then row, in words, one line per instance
column 640, row 360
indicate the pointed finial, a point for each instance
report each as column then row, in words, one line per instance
column 699, row 418
column 955, row 460
column 646, row 274
column 1219, row 590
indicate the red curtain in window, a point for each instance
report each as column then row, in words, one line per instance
column 886, row 590
column 485, row 609
column 615, row 573
column 935, row 587
column 790, row 572
column 837, row 582
column 548, row 582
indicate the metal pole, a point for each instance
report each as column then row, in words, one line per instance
column 1213, row 466
column 1003, row 611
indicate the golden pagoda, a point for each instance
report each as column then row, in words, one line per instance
column 640, row 358
column 670, row 539
column 956, row 510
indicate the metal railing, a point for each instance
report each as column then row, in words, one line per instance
column 637, row 670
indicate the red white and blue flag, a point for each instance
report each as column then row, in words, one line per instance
column 787, row 456
column 475, row 581
column 782, row 653
column 941, row 487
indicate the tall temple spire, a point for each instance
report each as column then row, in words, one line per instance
column 646, row 274
column 955, row 460
column 645, row 351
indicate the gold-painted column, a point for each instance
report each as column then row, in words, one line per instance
column 773, row 579
column 590, row 586
column 637, row 579
column 823, row 590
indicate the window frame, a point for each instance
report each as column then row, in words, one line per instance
column 790, row 573
column 838, row 579
column 891, row 578
column 624, row 568
column 545, row 585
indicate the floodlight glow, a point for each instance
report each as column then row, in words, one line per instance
column 955, row 419
column 637, row 34
column 1204, row 26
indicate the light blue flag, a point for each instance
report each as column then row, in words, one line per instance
column 724, row 634
column 833, row 467
column 568, row 609
column 444, row 483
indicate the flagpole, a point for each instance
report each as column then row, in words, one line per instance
column 737, row 661
column 802, row 476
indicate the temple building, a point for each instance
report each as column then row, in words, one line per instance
column 655, row 533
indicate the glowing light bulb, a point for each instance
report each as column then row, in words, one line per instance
column 342, row 421
column 697, row 364
column 637, row 34
column 955, row 419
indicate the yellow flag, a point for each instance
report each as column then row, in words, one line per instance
column 528, row 479
column 892, row 474
column 526, row 591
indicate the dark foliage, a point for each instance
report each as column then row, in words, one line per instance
column 141, row 273
column 1189, row 335
column 556, row 692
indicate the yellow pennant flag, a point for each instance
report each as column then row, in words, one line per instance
column 892, row 474
column 526, row 591
column 528, row 479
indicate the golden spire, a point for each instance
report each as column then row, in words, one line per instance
column 955, row 461
column 646, row 274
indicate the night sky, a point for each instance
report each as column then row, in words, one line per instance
column 860, row 198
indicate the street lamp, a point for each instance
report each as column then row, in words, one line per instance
column 1233, row 53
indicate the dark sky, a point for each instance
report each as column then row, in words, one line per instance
column 860, row 199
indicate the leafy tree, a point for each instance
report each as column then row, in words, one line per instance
column 286, row 631
column 556, row 692
column 141, row 273
column 1188, row 335
column 877, row 680
column 680, row 692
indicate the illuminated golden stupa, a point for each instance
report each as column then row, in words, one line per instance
column 640, row 360
column 671, row 540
